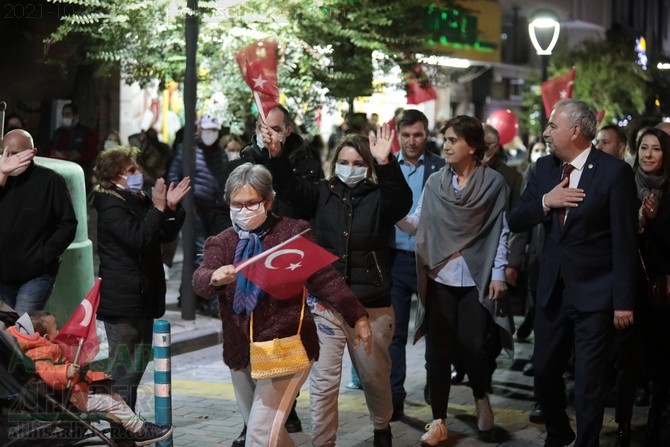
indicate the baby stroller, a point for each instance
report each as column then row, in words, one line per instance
column 32, row 414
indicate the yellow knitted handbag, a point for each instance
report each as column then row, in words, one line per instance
column 278, row 357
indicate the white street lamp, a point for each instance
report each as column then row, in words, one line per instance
column 544, row 29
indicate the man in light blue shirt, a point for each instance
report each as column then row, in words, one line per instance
column 417, row 165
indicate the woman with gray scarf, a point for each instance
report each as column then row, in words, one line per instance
column 462, row 277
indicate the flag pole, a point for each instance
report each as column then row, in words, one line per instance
column 259, row 105
column 76, row 358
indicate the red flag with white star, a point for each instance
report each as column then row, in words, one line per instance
column 283, row 270
column 258, row 65
column 81, row 325
column 419, row 88
column 557, row 88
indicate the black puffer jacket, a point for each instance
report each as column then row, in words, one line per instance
column 130, row 230
column 356, row 224
column 294, row 173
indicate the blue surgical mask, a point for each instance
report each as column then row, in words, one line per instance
column 351, row 175
column 135, row 182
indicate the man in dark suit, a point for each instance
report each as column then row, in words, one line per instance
column 417, row 165
column 587, row 273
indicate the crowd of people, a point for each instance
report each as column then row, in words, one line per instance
column 576, row 236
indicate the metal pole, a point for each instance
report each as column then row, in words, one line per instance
column 163, row 377
column 190, row 96
column 543, row 117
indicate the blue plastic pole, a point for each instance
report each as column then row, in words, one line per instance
column 162, row 377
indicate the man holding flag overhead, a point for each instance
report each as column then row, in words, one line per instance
column 274, row 145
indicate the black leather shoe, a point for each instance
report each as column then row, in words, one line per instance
column 293, row 424
column 239, row 442
column 525, row 329
column 536, row 416
column 556, row 443
column 398, row 410
column 383, row 438
column 623, row 435
column 426, row 394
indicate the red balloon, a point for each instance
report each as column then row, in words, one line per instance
column 505, row 123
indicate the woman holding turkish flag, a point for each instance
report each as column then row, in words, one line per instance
column 266, row 403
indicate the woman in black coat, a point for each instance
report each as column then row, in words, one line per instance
column 131, row 227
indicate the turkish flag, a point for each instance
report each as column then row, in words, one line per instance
column 258, row 65
column 557, row 88
column 419, row 88
column 81, row 325
column 283, row 270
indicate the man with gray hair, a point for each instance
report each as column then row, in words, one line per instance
column 38, row 223
column 587, row 202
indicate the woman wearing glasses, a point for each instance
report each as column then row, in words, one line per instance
column 265, row 404
column 131, row 227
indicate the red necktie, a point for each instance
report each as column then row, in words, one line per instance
column 565, row 172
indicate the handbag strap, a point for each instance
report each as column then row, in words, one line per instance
column 302, row 314
column 644, row 266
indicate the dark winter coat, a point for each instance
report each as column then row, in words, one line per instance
column 356, row 224
column 130, row 231
column 209, row 172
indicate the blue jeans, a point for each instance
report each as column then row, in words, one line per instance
column 29, row 296
column 129, row 354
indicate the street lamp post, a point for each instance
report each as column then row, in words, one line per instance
column 544, row 30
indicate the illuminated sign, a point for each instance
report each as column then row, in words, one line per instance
column 472, row 32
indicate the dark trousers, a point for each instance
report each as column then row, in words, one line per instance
column 625, row 357
column 129, row 354
column 403, row 274
column 457, row 325
column 557, row 326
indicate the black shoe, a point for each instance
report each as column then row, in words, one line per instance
column 398, row 410
column 529, row 369
column 457, row 376
column 426, row 394
column 293, row 424
column 536, row 416
column 556, row 443
column 383, row 438
column 239, row 442
column 623, row 435
column 151, row 434
column 525, row 329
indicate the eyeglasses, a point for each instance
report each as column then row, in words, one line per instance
column 251, row 206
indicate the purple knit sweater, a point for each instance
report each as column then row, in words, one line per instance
column 273, row 318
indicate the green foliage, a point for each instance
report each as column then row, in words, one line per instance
column 606, row 77
column 325, row 46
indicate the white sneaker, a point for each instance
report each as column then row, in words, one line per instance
column 484, row 414
column 436, row 432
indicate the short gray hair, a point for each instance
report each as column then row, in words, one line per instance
column 256, row 176
column 581, row 113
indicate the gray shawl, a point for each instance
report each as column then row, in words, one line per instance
column 468, row 221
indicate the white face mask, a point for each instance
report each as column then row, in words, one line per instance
column 248, row 220
column 535, row 155
column 67, row 122
column 111, row 143
column 209, row 137
column 233, row 155
column 18, row 171
column 135, row 182
column 351, row 175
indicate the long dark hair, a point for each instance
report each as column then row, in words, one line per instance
column 664, row 140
